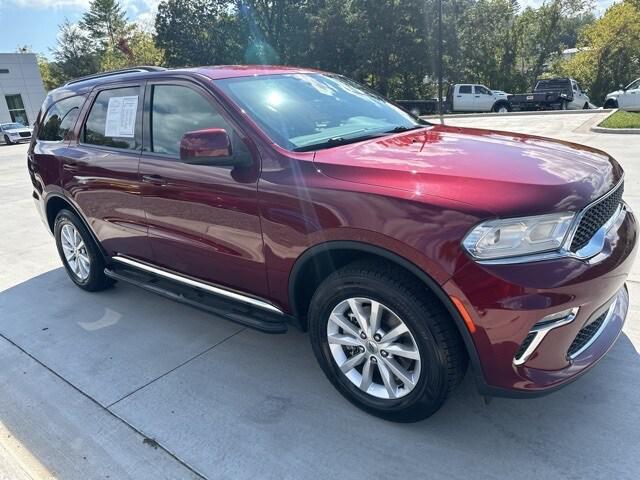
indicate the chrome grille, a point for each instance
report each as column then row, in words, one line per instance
column 595, row 217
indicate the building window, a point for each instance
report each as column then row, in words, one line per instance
column 16, row 109
column 4, row 70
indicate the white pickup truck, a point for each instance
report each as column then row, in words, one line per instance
column 472, row 97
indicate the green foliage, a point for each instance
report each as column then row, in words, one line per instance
column 105, row 21
column 610, row 52
column 102, row 40
column 622, row 119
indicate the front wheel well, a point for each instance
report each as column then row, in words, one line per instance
column 320, row 261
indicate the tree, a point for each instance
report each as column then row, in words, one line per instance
column 138, row 48
column 105, row 22
column 75, row 54
column 610, row 51
column 199, row 32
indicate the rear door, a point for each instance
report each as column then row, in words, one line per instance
column 203, row 219
column 463, row 100
column 100, row 170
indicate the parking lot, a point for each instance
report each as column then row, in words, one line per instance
column 126, row 384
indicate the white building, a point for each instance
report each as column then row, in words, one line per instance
column 21, row 88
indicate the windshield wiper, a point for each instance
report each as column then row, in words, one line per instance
column 335, row 141
column 402, row 128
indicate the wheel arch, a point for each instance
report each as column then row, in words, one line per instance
column 316, row 263
column 54, row 203
column 500, row 102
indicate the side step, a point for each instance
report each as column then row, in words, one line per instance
column 253, row 317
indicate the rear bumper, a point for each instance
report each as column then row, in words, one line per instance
column 506, row 301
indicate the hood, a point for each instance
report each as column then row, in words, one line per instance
column 615, row 94
column 18, row 130
column 503, row 173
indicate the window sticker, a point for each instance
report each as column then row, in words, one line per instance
column 121, row 117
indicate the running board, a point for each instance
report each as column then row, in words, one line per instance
column 268, row 321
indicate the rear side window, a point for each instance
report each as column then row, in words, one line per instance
column 113, row 120
column 176, row 110
column 60, row 118
column 465, row 89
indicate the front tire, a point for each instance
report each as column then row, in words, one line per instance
column 501, row 107
column 387, row 345
column 7, row 141
column 79, row 253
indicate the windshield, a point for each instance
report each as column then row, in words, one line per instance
column 633, row 85
column 312, row 110
column 11, row 126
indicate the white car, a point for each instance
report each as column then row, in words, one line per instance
column 627, row 98
column 15, row 132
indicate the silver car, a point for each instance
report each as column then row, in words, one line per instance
column 15, row 132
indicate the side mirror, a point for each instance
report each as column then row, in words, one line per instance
column 211, row 146
column 622, row 87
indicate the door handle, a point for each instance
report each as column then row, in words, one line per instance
column 154, row 179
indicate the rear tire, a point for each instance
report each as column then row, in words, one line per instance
column 79, row 253
column 586, row 106
column 430, row 352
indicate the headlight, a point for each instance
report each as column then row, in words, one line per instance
column 518, row 236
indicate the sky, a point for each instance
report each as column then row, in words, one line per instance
column 34, row 23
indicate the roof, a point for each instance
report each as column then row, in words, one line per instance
column 84, row 85
column 232, row 71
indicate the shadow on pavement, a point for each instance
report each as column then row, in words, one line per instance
column 251, row 405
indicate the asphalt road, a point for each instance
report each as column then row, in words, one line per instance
column 125, row 384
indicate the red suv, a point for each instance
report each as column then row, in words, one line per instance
column 276, row 196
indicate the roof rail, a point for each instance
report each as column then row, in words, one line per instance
column 138, row 69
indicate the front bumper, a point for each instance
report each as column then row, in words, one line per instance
column 506, row 302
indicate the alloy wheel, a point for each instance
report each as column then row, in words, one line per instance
column 373, row 348
column 75, row 251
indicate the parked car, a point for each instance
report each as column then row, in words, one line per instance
column 627, row 98
column 278, row 196
column 552, row 94
column 15, row 132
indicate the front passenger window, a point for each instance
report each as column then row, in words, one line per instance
column 176, row 110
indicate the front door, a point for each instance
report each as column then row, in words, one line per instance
column 203, row 219
column 630, row 98
column 100, row 169
column 484, row 99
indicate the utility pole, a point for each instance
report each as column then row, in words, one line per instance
column 440, row 57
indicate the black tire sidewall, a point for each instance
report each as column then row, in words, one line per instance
column 429, row 393
column 96, row 279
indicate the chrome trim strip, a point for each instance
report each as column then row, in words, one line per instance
column 595, row 336
column 591, row 249
column 541, row 332
column 197, row 284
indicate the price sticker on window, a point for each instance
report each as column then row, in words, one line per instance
column 121, row 117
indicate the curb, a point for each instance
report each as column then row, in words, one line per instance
column 518, row 114
column 598, row 129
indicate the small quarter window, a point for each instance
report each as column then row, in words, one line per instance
column 113, row 120
column 60, row 118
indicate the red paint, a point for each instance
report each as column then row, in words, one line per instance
column 415, row 194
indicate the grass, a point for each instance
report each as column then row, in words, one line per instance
column 622, row 120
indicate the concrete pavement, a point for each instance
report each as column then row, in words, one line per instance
column 126, row 384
